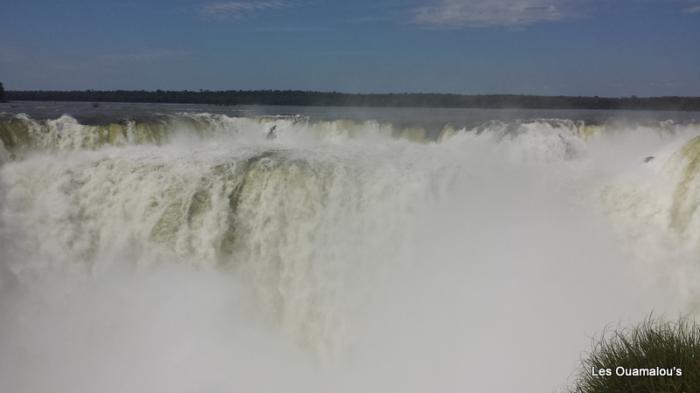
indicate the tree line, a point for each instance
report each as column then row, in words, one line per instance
column 315, row 98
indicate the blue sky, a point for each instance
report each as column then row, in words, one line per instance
column 573, row 47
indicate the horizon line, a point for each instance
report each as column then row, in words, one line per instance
column 197, row 91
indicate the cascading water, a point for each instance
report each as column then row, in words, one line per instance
column 197, row 252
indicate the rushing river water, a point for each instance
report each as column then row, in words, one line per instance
column 184, row 248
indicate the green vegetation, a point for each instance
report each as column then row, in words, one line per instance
column 308, row 98
column 2, row 93
column 652, row 357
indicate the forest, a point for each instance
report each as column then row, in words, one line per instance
column 315, row 98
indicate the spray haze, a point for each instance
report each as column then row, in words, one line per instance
column 200, row 253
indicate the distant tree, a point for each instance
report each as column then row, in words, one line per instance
column 292, row 97
column 2, row 93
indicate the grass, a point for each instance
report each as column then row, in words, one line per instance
column 651, row 344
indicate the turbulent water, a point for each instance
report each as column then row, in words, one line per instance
column 197, row 252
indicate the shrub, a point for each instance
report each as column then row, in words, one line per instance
column 654, row 348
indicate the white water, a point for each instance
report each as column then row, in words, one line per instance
column 336, row 257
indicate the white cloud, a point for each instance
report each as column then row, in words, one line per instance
column 237, row 9
column 693, row 9
column 486, row 13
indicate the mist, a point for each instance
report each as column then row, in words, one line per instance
column 339, row 256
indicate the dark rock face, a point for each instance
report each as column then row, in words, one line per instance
column 272, row 134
